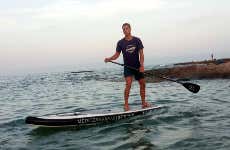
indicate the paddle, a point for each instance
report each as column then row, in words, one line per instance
column 189, row 86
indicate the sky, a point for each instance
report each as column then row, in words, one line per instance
column 55, row 35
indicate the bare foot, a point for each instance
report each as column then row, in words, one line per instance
column 126, row 107
column 145, row 105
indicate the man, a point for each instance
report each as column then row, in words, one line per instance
column 133, row 56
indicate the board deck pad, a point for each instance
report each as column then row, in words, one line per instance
column 81, row 119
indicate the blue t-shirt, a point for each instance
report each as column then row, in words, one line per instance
column 130, row 50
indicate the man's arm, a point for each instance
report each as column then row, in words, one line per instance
column 141, row 53
column 114, row 57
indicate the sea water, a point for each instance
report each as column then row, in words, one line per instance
column 190, row 121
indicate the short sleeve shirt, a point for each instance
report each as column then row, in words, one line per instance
column 130, row 50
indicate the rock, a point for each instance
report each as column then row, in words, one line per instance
column 193, row 70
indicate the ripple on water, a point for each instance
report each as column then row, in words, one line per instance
column 191, row 121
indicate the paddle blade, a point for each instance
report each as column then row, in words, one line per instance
column 191, row 87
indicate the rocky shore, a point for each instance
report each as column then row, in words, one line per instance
column 209, row 69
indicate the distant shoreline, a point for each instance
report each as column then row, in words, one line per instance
column 215, row 61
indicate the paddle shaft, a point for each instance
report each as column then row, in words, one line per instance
column 132, row 68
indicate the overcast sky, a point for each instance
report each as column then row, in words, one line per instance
column 43, row 35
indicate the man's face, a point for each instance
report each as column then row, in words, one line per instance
column 126, row 30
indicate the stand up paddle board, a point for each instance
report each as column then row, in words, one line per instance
column 81, row 119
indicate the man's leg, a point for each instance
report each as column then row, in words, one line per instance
column 128, row 81
column 142, row 93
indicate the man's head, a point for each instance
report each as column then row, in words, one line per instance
column 126, row 29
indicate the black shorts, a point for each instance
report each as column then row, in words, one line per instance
column 129, row 72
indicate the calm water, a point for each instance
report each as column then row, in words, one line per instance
column 190, row 121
